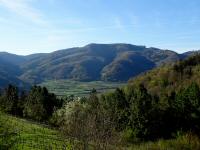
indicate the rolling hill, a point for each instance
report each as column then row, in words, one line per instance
column 107, row 62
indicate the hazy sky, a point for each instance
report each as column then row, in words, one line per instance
column 34, row 26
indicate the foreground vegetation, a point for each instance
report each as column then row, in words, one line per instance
column 20, row 134
column 133, row 117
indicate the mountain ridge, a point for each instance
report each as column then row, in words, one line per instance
column 109, row 62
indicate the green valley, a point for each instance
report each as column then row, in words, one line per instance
column 78, row 88
column 99, row 75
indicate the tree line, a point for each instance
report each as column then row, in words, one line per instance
column 37, row 104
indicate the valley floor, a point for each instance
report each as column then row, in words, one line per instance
column 70, row 87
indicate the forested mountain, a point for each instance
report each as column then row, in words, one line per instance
column 112, row 62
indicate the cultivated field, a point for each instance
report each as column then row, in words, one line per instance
column 77, row 88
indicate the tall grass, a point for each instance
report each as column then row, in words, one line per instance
column 183, row 142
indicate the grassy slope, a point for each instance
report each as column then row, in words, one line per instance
column 70, row 87
column 22, row 134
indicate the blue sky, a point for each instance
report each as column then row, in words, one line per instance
column 35, row 26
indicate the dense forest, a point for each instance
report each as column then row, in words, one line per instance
column 162, row 103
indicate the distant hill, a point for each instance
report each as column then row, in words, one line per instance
column 10, row 69
column 113, row 62
column 108, row 62
column 191, row 53
column 12, row 58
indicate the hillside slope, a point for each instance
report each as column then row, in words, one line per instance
column 20, row 134
column 171, row 77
